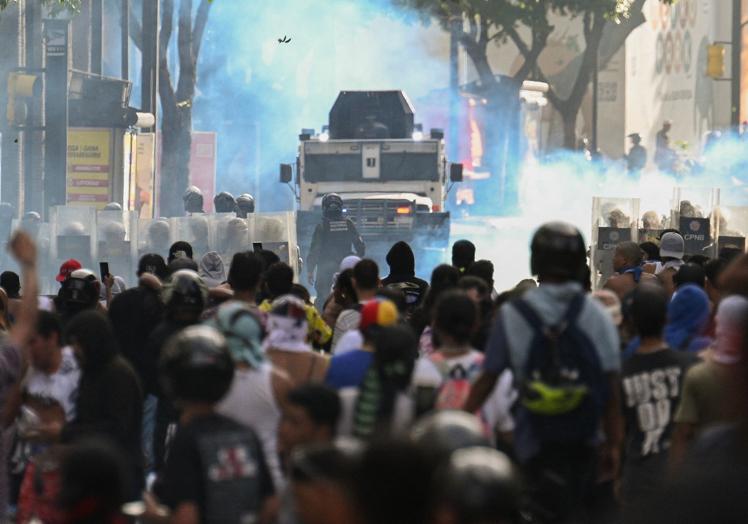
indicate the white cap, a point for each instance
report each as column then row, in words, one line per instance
column 672, row 245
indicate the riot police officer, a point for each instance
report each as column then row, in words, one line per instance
column 332, row 241
column 245, row 204
column 193, row 200
column 224, row 202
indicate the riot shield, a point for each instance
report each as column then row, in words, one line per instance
column 731, row 225
column 73, row 231
column 614, row 220
column 691, row 214
column 228, row 235
column 117, row 242
column 194, row 230
column 277, row 233
column 154, row 236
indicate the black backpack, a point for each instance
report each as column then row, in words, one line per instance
column 564, row 389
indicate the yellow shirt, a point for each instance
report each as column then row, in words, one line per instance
column 319, row 331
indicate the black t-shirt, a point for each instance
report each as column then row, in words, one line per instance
column 652, row 386
column 219, row 465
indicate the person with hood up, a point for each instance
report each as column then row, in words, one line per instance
column 688, row 314
column 403, row 277
column 110, row 400
column 212, row 269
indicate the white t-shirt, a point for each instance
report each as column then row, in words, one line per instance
column 61, row 386
column 251, row 402
column 350, row 341
column 496, row 411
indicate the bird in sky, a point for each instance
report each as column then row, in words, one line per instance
column 284, row 40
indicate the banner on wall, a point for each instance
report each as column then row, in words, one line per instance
column 142, row 184
column 89, row 167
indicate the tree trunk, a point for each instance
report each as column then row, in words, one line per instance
column 176, row 141
column 569, row 118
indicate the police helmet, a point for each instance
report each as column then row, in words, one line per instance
column 224, row 202
column 193, row 200
column 480, row 484
column 113, row 232
column 158, row 232
column 32, row 216
column 186, row 291
column 196, row 365
column 74, row 229
column 80, row 288
column 558, row 251
column 332, row 204
column 245, row 204
column 113, row 206
column 446, row 431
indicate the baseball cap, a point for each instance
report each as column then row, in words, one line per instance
column 66, row 268
column 378, row 312
column 672, row 245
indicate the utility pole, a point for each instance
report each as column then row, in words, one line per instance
column 57, row 46
column 736, row 48
column 150, row 65
column 595, row 101
column 125, row 39
column 97, row 23
column 455, row 26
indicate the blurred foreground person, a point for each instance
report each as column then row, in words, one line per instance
column 477, row 485
column 94, row 483
column 710, row 485
column 13, row 351
column 322, row 481
column 216, row 470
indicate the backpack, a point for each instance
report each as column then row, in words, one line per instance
column 454, row 391
column 564, row 389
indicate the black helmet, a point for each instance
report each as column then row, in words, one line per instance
column 479, row 484
column 224, row 202
column 558, row 250
column 446, row 431
column 193, row 200
column 196, row 365
column 332, row 205
column 81, row 288
column 186, row 291
column 113, row 206
column 245, row 204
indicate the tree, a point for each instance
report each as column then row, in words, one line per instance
column 609, row 21
column 176, row 100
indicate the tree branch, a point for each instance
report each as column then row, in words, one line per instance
column 186, row 83
column 201, row 20
column 136, row 31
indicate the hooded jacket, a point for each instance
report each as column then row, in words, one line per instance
column 402, row 275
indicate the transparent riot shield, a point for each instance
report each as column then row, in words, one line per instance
column 614, row 220
column 194, row 230
column 691, row 214
column 73, row 231
column 154, row 236
column 731, row 226
column 117, row 235
column 277, row 233
column 228, row 235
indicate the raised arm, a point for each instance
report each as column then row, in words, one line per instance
column 24, row 251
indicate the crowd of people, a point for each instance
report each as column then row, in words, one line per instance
column 390, row 400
